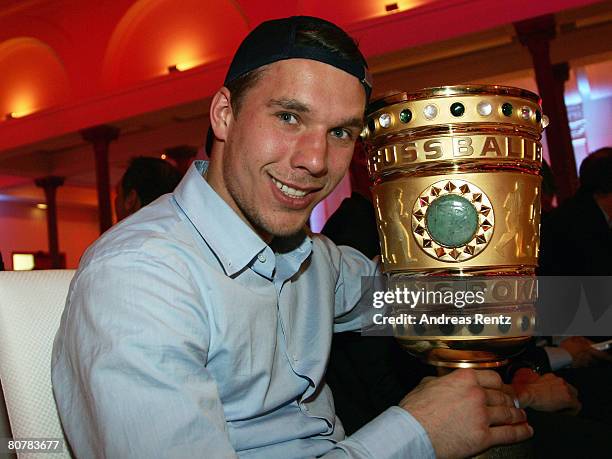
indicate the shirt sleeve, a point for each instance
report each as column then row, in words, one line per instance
column 558, row 357
column 358, row 277
column 394, row 434
column 129, row 364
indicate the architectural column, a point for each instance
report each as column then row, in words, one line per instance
column 182, row 156
column 536, row 35
column 100, row 138
column 50, row 184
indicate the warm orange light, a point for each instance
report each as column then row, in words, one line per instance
column 184, row 52
column 22, row 104
column 15, row 115
column 182, row 66
column 41, row 206
column 163, row 156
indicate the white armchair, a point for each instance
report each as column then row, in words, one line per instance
column 31, row 304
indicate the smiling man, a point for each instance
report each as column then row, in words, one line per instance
column 201, row 326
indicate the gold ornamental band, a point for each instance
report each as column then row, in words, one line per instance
column 508, row 206
column 496, row 291
column 449, row 106
column 479, row 147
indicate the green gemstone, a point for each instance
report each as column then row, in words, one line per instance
column 457, row 109
column 451, row 220
column 507, row 109
column 405, row 115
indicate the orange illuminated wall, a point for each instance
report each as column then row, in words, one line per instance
column 34, row 74
column 156, row 34
column 24, row 228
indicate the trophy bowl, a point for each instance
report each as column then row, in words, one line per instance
column 456, row 189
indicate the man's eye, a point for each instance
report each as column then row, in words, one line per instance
column 288, row 118
column 341, row 133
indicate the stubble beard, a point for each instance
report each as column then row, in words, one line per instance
column 265, row 229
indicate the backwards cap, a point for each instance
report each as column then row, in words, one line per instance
column 275, row 40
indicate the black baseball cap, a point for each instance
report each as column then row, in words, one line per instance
column 275, row 40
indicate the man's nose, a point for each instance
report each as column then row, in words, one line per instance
column 311, row 153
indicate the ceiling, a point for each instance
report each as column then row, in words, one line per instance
column 425, row 43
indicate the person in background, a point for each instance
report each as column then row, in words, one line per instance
column 145, row 180
column 576, row 240
column 576, row 237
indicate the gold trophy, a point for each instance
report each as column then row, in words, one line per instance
column 456, row 188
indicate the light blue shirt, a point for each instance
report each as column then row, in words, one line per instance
column 186, row 336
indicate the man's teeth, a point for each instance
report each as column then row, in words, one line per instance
column 288, row 190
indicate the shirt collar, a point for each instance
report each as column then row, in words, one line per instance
column 233, row 242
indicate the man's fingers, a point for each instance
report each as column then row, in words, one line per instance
column 525, row 375
column 489, row 379
column 525, row 398
column 497, row 397
column 501, row 415
column 503, row 435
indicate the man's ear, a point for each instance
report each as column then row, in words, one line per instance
column 221, row 114
column 132, row 202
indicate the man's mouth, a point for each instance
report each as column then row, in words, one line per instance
column 289, row 191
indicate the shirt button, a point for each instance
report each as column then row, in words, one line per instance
column 261, row 257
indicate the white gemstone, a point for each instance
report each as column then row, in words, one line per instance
column 545, row 121
column 484, row 108
column 430, row 111
column 525, row 113
column 384, row 120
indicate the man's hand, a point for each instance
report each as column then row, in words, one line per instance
column 466, row 412
column 544, row 393
column 582, row 352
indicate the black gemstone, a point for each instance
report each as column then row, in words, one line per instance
column 371, row 126
column 405, row 115
column 447, row 329
column 504, row 328
column 538, row 116
column 476, row 329
column 457, row 109
column 507, row 109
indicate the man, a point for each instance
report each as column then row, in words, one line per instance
column 202, row 325
column 143, row 182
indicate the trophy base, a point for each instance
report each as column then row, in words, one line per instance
column 464, row 353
